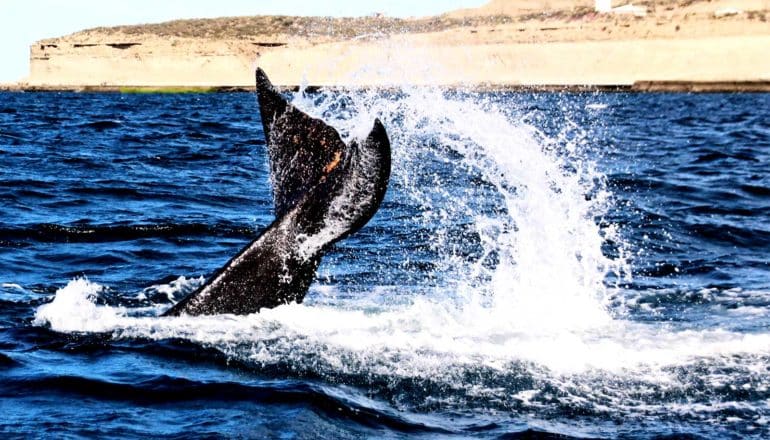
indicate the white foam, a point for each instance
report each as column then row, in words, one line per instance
column 449, row 335
column 181, row 284
column 73, row 309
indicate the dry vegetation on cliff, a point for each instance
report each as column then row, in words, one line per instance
column 306, row 27
column 562, row 20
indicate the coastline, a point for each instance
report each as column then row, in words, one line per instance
column 636, row 87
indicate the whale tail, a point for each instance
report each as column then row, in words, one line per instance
column 323, row 189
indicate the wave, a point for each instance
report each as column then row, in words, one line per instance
column 28, row 183
column 88, row 233
column 169, row 390
column 100, row 125
column 754, row 190
column 7, row 362
column 744, row 237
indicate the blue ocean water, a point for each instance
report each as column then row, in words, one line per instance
column 544, row 265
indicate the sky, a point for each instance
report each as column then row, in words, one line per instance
column 22, row 22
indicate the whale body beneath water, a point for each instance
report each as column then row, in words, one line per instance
column 323, row 189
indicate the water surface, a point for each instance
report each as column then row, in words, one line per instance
column 590, row 265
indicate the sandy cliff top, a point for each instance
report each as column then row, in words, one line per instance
column 524, row 7
column 521, row 21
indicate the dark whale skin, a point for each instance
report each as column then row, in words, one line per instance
column 324, row 190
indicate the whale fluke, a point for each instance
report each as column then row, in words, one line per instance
column 324, row 190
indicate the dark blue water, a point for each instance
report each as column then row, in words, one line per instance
column 586, row 265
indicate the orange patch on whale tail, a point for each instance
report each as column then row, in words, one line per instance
column 333, row 164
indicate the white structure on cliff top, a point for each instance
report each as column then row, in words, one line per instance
column 605, row 6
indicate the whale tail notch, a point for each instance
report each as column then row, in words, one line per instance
column 323, row 189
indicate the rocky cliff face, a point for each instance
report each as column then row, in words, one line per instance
column 571, row 45
column 156, row 62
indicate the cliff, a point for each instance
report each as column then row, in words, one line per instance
column 504, row 43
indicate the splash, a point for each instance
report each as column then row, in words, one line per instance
column 540, row 262
column 515, row 249
column 514, row 244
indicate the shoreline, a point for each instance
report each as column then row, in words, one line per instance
column 636, row 87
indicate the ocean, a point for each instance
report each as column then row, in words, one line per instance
column 544, row 265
